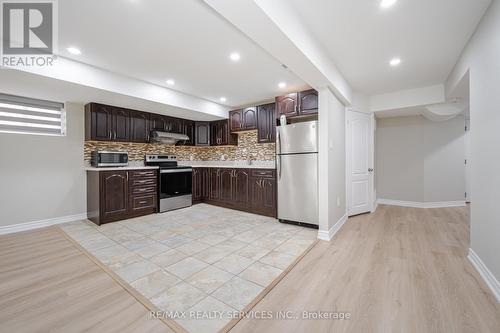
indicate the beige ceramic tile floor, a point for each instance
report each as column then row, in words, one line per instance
column 198, row 260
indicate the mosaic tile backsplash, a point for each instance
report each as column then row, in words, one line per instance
column 248, row 148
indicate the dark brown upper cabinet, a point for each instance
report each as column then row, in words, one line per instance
column 287, row 105
column 202, row 133
column 266, row 123
column 106, row 123
column 249, row 116
column 175, row 125
column 297, row 104
column 158, row 122
column 121, row 124
column 235, row 121
column 139, row 127
column 308, row 102
column 98, row 122
column 243, row 120
column 220, row 134
column 110, row 123
column 187, row 128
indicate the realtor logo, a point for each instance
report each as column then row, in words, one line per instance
column 29, row 36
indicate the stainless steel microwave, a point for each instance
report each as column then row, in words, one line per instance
column 109, row 158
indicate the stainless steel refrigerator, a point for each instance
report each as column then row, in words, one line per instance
column 297, row 172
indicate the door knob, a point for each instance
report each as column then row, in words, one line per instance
column 370, row 170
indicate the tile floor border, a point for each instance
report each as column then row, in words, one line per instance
column 171, row 323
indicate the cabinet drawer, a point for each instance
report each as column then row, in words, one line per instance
column 143, row 182
column 142, row 174
column 143, row 202
column 263, row 173
column 143, row 190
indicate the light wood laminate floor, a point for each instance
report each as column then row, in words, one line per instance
column 398, row 270
column 48, row 285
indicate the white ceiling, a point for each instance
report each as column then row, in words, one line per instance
column 21, row 83
column 155, row 40
column 361, row 38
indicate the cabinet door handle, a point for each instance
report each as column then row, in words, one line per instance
column 296, row 108
column 142, row 202
column 110, row 134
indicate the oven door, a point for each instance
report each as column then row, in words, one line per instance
column 175, row 183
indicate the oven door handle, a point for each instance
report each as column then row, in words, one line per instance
column 176, row 170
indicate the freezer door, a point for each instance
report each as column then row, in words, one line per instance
column 298, row 188
column 297, row 138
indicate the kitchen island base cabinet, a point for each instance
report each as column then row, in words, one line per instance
column 249, row 190
column 121, row 194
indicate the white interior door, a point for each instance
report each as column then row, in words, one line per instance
column 360, row 138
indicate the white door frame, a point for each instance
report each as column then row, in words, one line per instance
column 372, row 195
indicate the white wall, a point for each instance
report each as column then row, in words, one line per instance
column 419, row 160
column 481, row 58
column 332, row 162
column 42, row 177
column 444, row 168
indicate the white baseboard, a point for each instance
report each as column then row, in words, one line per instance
column 415, row 204
column 328, row 235
column 8, row 229
column 485, row 273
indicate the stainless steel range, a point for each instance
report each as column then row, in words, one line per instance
column 174, row 183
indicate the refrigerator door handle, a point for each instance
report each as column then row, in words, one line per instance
column 278, row 147
column 279, row 166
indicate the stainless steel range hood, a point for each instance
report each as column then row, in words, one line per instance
column 167, row 138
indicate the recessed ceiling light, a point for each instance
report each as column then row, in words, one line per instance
column 282, row 84
column 395, row 62
column 222, row 99
column 234, row 56
column 170, row 82
column 387, row 3
column 74, row 50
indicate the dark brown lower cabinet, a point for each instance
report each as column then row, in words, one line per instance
column 201, row 181
column 121, row 194
column 250, row 190
column 263, row 192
